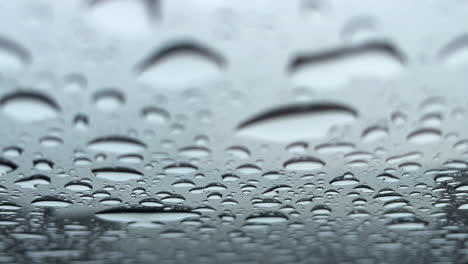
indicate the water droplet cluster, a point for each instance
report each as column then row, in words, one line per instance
column 304, row 131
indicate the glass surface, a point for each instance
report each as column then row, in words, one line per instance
column 210, row 131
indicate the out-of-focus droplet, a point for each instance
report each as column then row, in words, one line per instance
column 181, row 65
column 455, row 53
column 13, row 56
column 373, row 134
column 304, row 164
column 6, row 166
column 29, row 107
column 127, row 216
column 128, row 18
column 332, row 69
column 109, row 100
column 297, row 122
column 155, row 115
column 117, row 174
column 181, row 168
column 424, row 136
column 117, row 144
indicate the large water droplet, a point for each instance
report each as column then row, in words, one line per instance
column 33, row 181
column 304, row 164
column 128, row 215
column 13, row 57
column 6, row 166
column 267, row 218
column 424, row 136
column 345, row 180
column 117, row 144
column 331, row 69
column 29, row 106
column 109, row 100
column 51, row 202
column 182, row 168
column 292, row 123
column 182, row 64
column 155, row 115
column 117, row 174
column 456, row 51
column 123, row 17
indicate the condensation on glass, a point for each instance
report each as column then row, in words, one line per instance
column 204, row 131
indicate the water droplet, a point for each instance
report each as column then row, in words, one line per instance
column 331, row 69
column 424, row 136
column 132, row 159
column 51, row 202
column 373, row 134
column 456, row 51
column 345, row 180
column 230, row 177
column 248, row 169
column 33, row 181
column 183, row 184
column 6, row 166
column 399, row 118
column 404, row 157
column 29, row 106
column 410, row 166
column 117, row 144
column 75, row 83
column 266, row 203
column 9, row 206
column 78, row 186
column 42, row 164
column 335, row 148
column 359, row 29
column 12, row 152
column 267, row 218
column 13, row 57
column 117, row 174
column 406, row 224
column 292, row 123
column 238, row 152
column 151, row 202
column 195, row 152
column 81, row 122
column 181, row 168
column 272, row 175
column 50, row 141
column 387, row 177
column 129, row 18
column 127, row 216
column 155, row 115
column 181, row 64
column 109, row 100
column 304, row 164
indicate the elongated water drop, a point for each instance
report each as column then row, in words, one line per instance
column 296, row 122
column 29, row 106
column 181, row 64
column 331, row 69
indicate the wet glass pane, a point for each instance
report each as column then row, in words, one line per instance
column 210, row 131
